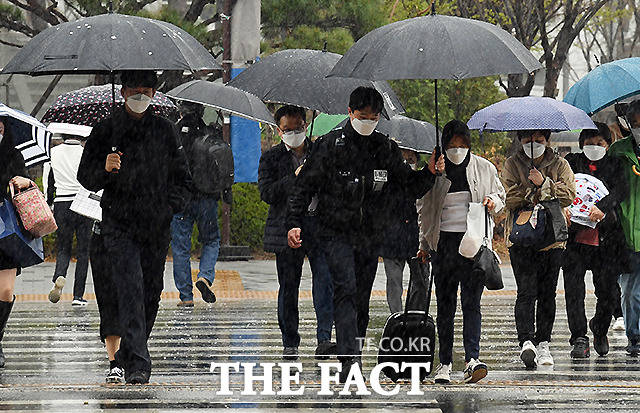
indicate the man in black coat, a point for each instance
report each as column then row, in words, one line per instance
column 601, row 249
column 348, row 169
column 137, row 159
column 276, row 177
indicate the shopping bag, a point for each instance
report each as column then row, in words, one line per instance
column 15, row 242
column 35, row 214
column 475, row 234
column 87, row 204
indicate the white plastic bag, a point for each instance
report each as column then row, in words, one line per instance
column 472, row 239
column 87, row 203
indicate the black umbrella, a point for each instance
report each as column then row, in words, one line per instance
column 298, row 77
column 435, row 47
column 110, row 42
column 225, row 98
column 408, row 133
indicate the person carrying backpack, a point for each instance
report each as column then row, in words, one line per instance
column 211, row 166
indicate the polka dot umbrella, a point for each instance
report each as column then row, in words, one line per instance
column 90, row 105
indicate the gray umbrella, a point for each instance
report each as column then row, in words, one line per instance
column 225, row 98
column 408, row 133
column 435, row 47
column 111, row 42
column 298, row 77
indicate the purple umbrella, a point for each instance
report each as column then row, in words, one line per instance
column 530, row 112
column 90, row 105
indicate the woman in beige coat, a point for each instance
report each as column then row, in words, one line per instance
column 535, row 174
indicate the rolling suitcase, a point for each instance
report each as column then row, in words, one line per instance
column 409, row 335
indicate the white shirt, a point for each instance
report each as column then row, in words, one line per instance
column 454, row 212
column 65, row 161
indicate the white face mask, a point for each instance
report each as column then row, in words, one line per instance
column 364, row 127
column 138, row 103
column 457, row 155
column 594, row 152
column 636, row 135
column 1, row 137
column 538, row 149
column 293, row 139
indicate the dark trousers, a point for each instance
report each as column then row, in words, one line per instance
column 137, row 269
column 70, row 223
column 450, row 270
column 289, row 267
column 536, row 274
column 353, row 271
column 104, row 288
column 578, row 258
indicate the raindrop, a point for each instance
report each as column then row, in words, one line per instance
column 88, row 26
column 164, row 35
column 79, row 27
column 421, row 49
column 75, row 68
column 113, row 37
column 150, row 53
column 70, row 33
column 144, row 32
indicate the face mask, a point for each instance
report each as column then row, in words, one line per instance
column 538, row 149
column 594, row 152
column 1, row 137
column 292, row 139
column 457, row 155
column 364, row 127
column 138, row 103
column 636, row 135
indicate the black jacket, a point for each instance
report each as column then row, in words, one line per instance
column 276, row 177
column 608, row 170
column 11, row 164
column 400, row 234
column 348, row 172
column 153, row 181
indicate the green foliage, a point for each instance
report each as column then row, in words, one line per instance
column 12, row 13
column 339, row 40
column 248, row 216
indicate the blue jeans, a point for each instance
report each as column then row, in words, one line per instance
column 203, row 212
column 630, row 287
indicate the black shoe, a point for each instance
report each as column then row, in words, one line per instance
column 600, row 343
column 580, row 348
column 139, row 377
column 290, row 353
column 633, row 348
column 347, row 364
column 5, row 310
column 326, row 349
column 205, row 290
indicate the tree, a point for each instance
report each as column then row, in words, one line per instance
column 574, row 16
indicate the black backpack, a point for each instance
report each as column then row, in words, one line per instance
column 211, row 163
column 409, row 336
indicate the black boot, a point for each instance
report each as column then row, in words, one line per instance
column 5, row 310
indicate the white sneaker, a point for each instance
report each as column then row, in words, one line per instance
column 544, row 355
column 443, row 374
column 618, row 325
column 56, row 291
column 529, row 354
column 475, row 371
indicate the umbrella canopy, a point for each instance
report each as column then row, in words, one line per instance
column 435, row 47
column 225, row 98
column 90, row 105
column 605, row 85
column 530, row 112
column 298, row 77
column 69, row 129
column 408, row 133
column 29, row 135
column 323, row 124
column 111, row 42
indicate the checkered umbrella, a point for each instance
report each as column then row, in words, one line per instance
column 90, row 105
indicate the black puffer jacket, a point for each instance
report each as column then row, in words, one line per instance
column 153, row 182
column 349, row 171
column 11, row 164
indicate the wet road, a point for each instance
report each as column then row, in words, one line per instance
column 56, row 363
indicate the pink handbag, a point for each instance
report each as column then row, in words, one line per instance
column 35, row 214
